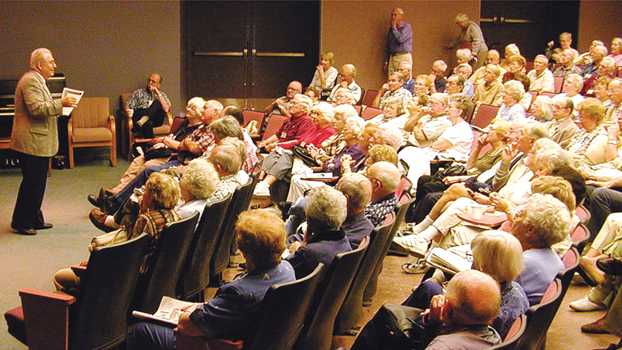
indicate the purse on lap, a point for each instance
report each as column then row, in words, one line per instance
column 110, row 238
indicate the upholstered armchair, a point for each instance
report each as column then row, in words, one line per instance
column 91, row 125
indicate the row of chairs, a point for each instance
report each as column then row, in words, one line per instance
column 333, row 306
column 182, row 266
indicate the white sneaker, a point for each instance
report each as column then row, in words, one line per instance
column 585, row 304
column 414, row 244
column 262, row 189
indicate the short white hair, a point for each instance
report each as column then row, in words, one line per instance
column 37, row 56
column 326, row 209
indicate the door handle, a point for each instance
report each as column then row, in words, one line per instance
column 280, row 54
column 227, row 54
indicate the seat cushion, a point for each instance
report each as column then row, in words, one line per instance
column 15, row 320
column 91, row 135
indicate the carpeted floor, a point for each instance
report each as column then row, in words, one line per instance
column 30, row 261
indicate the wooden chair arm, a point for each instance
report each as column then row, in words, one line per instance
column 46, row 317
column 112, row 125
column 169, row 118
column 186, row 342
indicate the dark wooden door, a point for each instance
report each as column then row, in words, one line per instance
column 528, row 24
column 249, row 50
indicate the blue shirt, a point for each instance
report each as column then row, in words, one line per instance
column 399, row 40
column 321, row 248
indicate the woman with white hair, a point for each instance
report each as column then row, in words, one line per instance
column 278, row 164
column 471, row 37
column 464, row 56
column 542, row 222
column 335, row 143
column 587, row 144
column 542, row 109
column 325, row 211
column 512, row 95
column 198, row 182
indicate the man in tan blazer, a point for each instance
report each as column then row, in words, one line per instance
column 35, row 139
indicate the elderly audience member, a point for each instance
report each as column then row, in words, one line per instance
column 156, row 205
column 228, row 126
column 392, row 114
column 573, row 84
column 405, row 69
column 399, row 42
column 515, row 65
column 335, row 143
column 464, row 71
column 384, row 178
column 281, row 105
column 562, row 128
column 426, row 128
column 616, row 51
column 197, row 183
column 147, row 107
column 439, row 68
column 511, row 109
column 510, row 50
column 492, row 57
column 344, row 97
column 325, row 74
column 542, row 222
column 567, row 65
column 423, row 84
column 565, row 40
column 233, row 312
column 607, row 68
column 541, row 77
column 586, row 145
column 278, row 164
column 326, row 211
column 542, row 109
column 470, row 36
column 490, row 90
column 600, row 91
column 348, row 72
column 455, row 84
column 597, row 53
column 463, row 55
column 298, row 125
column 459, row 319
column 392, row 91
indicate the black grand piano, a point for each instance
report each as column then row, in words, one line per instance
column 56, row 84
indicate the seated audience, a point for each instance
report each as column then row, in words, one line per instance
column 597, row 53
column 392, row 114
column 541, row 77
column 234, row 311
column 586, row 145
column 148, row 107
column 542, row 222
column 439, row 68
column 492, row 57
column 426, row 128
column 616, row 51
column 313, row 94
column 197, row 183
column 600, row 91
column 405, row 69
column 335, row 143
column 567, row 64
column 510, row 50
column 607, row 68
column 348, row 72
column 565, row 40
column 562, row 128
column 384, row 178
column 325, row 75
column 160, row 196
column 228, row 126
column 281, row 105
column 464, row 55
column 511, row 109
column 542, row 109
column 490, row 91
column 392, row 91
column 573, row 84
column 278, row 164
column 423, row 84
column 455, row 84
column 344, row 97
column 464, row 71
column 325, row 211
column 499, row 255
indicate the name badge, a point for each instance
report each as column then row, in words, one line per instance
column 283, row 135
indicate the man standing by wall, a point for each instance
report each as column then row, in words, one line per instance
column 35, row 139
column 399, row 42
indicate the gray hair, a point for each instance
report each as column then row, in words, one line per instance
column 343, row 112
column 357, row 189
column 37, row 56
column 608, row 62
column 349, row 94
column 390, row 135
column 576, row 80
column 513, row 48
column 226, row 127
column 546, row 107
column 238, row 144
column 552, row 158
column 468, row 67
column 326, row 209
column 215, row 104
column 305, row 101
column 199, row 178
column 571, row 52
column 534, row 129
column 601, row 49
column 441, row 65
column 495, row 69
column 356, row 125
column 464, row 54
column 517, row 90
column 325, row 111
column 441, row 97
column 549, row 217
column 196, row 103
column 228, row 157
column 350, row 69
column 462, row 18
column 498, row 254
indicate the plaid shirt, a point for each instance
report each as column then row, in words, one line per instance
column 142, row 98
column 377, row 211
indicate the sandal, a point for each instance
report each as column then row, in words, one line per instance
column 416, row 267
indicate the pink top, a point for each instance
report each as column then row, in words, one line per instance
column 314, row 136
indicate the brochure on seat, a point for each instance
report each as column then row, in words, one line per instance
column 451, row 260
column 168, row 312
column 72, row 93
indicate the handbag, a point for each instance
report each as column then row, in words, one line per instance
column 110, row 238
column 400, row 327
column 158, row 152
column 302, row 153
column 452, row 170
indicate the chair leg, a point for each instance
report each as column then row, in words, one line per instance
column 113, row 154
column 71, row 156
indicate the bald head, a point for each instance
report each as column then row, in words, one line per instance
column 384, row 178
column 474, row 298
